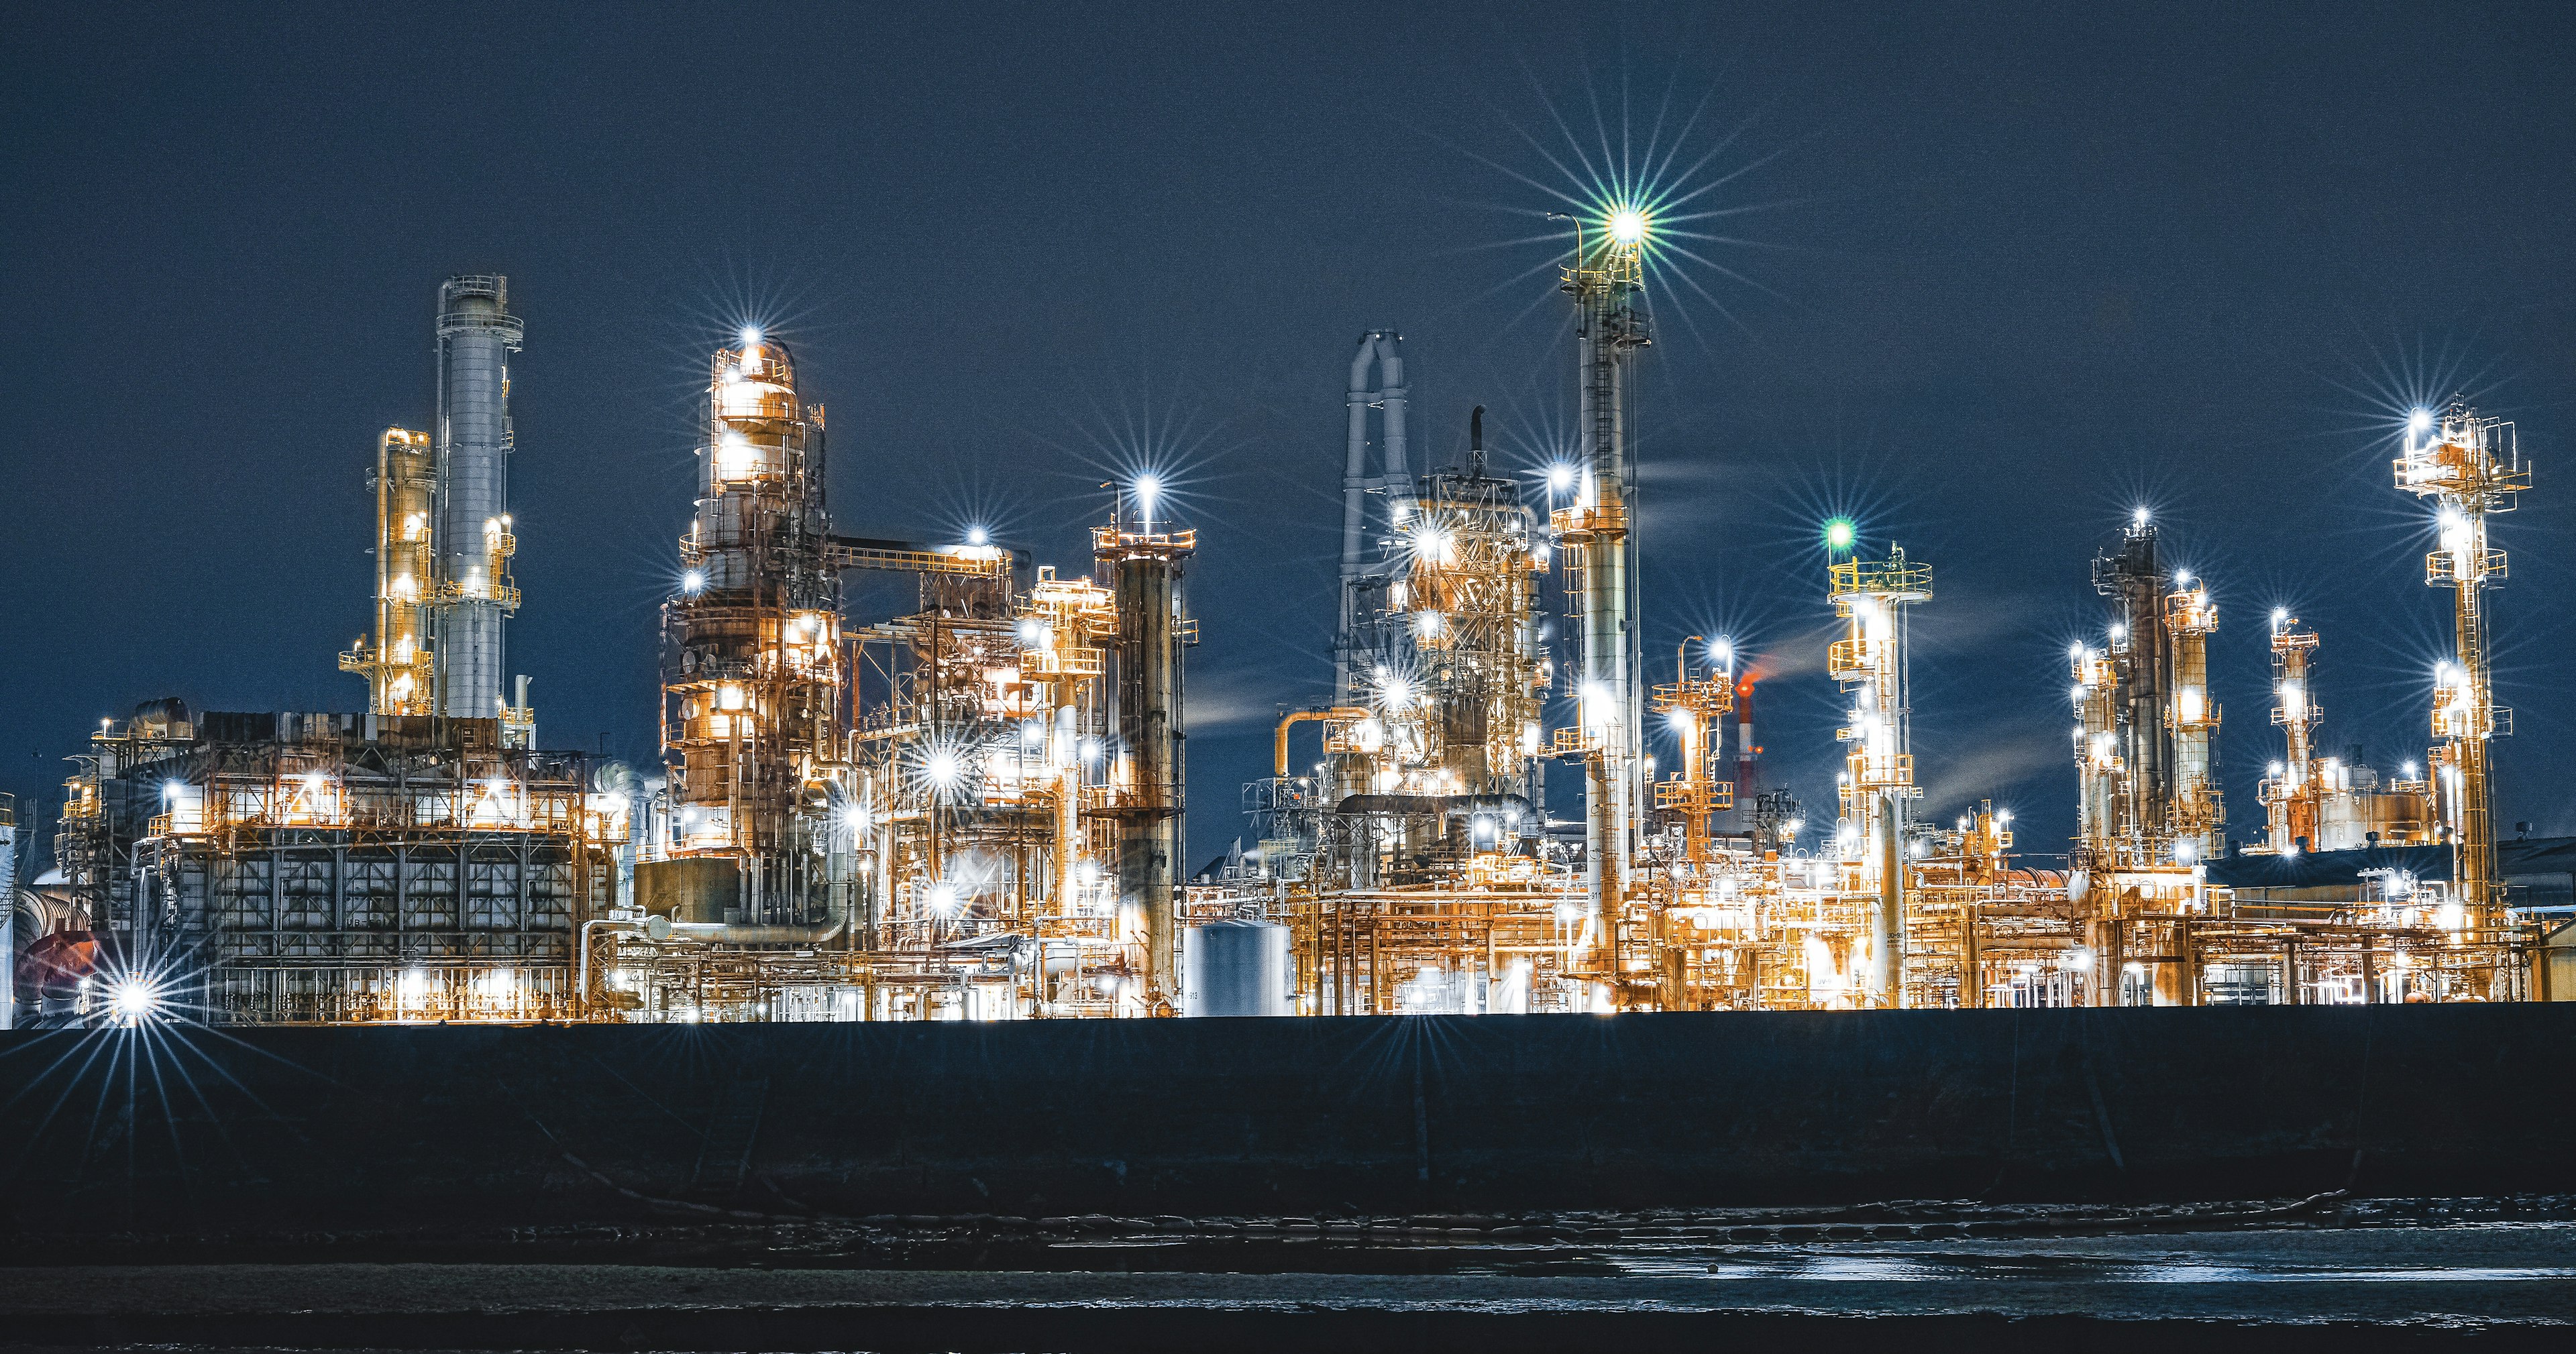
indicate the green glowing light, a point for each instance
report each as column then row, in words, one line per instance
column 1838, row 534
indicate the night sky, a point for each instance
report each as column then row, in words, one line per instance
column 1990, row 279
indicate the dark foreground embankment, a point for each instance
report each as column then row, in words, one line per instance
column 424, row 1129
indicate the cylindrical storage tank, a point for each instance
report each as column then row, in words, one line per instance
column 2395, row 817
column 1234, row 968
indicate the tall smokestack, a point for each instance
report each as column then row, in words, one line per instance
column 1355, row 487
column 1393, row 480
column 1748, row 754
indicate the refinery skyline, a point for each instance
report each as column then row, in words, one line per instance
column 1910, row 332
column 1161, row 676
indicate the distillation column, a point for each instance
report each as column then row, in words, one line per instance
column 751, row 685
column 2198, row 814
column 2099, row 773
column 396, row 657
column 1144, row 568
column 2291, row 795
column 2099, row 768
column 1872, row 597
column 2141, row 653
column 2470, row 467
column 1606, row 280
column 476, row 335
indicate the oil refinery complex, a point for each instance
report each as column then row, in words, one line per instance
column 975, row 810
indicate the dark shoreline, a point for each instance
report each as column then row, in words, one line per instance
column 465, row 1131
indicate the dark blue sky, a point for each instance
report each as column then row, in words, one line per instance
column 2003, row 273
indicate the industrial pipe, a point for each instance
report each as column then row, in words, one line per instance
column 1447, row 806
column 720, row 933
column 733, row 933
column 1280, row 750
column 1391, row 392
column 581, row 973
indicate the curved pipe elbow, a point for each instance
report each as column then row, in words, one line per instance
column 1295, row 717
column 1390, row 361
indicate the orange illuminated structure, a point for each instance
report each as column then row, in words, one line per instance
column 2469, row 468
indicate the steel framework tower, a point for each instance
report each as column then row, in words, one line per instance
column 1695, row 709
column 1872, row 596
column 753, row 666
column 2469, row 467
column 2142, row 661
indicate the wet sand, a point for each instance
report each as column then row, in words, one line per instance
column 2509, row 1282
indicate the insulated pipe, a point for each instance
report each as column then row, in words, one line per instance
column 1447, row 806
column 836, row 919
column 725, row 933
column 581, row 979
column 882, row 884
column 729, row 933
column 1280, row 748
column 1390, row 375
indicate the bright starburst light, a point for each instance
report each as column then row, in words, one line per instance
column 1637, row 172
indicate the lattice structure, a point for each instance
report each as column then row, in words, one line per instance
column 317, row 868
column 753, row 668
column 2469, row 468
column 2199, row 813
column 396, row 657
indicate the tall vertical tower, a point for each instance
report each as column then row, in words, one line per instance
column 473, row 536
column 397, row 659
column 2142, row 659
column 1695, row 710
column 752, row 661
column 2197, row 813
column 1872, row 597
column 2291, row 795
column 1607, row 282
column 1143, row 560
column 1364, row 586
column 2100, row 770
column 2469, row 467
column 1463, row 593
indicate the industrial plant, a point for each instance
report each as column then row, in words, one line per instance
column 975, row 809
